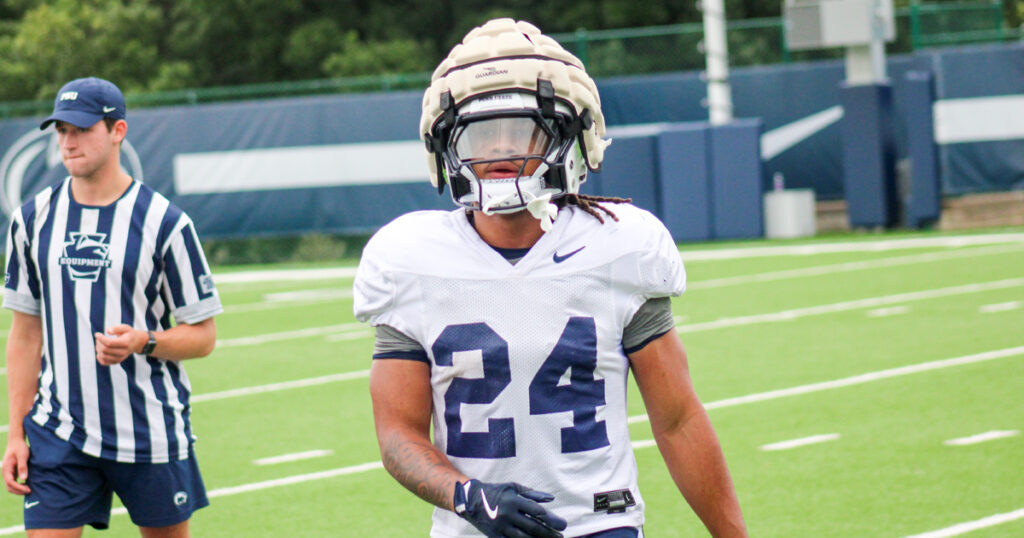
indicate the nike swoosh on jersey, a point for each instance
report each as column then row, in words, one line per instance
column 560, row 259
column 491, row 512
column 30, row 504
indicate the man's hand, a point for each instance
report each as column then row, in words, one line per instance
column 119, row 342
column 15, row 466
column 507, row 510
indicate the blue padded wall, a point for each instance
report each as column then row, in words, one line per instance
column 924, row 201
column 684, row 182
column 628, row 171
column 869, row 176
column 737, row 179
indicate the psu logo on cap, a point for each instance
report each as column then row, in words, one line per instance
column 69, row 96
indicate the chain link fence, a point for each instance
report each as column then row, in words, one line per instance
column 634, row 51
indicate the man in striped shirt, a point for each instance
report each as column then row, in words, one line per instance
column 97, row 265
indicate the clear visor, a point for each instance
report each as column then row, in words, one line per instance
column 500, row 138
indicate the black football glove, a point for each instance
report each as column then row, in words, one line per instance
column 507, row 510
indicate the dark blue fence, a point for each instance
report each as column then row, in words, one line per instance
column 350, row 163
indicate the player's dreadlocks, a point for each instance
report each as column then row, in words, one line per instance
column 588, row 202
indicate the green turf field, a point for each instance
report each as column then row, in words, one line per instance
column 882, row 348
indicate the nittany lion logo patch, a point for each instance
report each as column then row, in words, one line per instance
column 180, row 498
column 85, row 255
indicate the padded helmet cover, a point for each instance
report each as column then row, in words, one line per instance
column 506, row 55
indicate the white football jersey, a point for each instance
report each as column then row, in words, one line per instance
column 527, row 367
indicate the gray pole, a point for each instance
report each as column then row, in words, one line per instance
column 865, row 64
column 717, row 56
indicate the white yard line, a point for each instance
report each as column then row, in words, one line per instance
column 971, row 526
column 788, row 315
column 289, row 335
column 242, row 308
column 803, row 441
column 643, row 443
column 955, row 241
column 1000, row 307
column 852, row 246
column 982, row 437
column 292, row 299
column 255, row 486
column 820, row 270
column 307, row 297
column 354, row 335
column 730, row 402
column 284, row 385
column 352, row 331
column 857, row 379
column 887, row 311
column 297, row 456
column 764, row 396
column 278, row 275
column 771, row 395
column 298, row 479
column 359, row 330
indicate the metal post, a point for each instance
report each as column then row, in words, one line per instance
column 782, row 35
column 915, row 24
column 581, row 45
column 865, row 64
column 998, row 8
column 717, row 59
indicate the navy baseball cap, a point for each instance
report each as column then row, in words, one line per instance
column 85, row 101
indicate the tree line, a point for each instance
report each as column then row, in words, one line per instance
column 160, row 45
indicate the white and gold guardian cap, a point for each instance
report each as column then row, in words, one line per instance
column 510, row 96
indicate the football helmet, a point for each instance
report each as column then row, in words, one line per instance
column 511, row 121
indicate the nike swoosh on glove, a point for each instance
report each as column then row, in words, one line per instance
column 507, row 510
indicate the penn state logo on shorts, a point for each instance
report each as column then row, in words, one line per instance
column 86, row 255
column 180, row 498
column 33, row 161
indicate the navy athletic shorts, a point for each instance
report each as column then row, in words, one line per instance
column 71, row 489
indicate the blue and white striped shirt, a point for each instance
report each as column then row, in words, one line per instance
column 83, row 269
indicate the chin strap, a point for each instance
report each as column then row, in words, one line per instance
column 539, row 206
column 543, row 210
column 488, row 206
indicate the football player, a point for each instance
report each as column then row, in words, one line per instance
column 512, row 323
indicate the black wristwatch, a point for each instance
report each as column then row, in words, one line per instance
column 150, row 345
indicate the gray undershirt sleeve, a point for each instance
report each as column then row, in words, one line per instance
column 653, row 319
column 391, row 340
